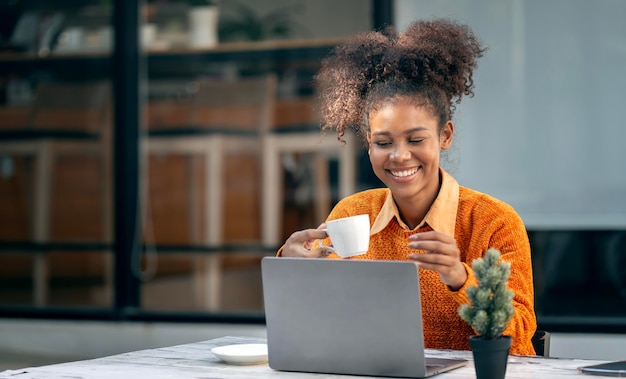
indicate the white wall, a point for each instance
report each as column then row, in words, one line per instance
column 545, row 131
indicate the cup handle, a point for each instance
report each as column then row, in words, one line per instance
column 329, row 247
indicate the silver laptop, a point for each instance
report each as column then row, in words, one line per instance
column 346, row 317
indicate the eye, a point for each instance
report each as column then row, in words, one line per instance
column 381, row 143
column 416, row 140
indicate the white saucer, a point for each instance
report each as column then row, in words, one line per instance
column 242, row 354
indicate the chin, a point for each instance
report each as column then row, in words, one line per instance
column 402, row 191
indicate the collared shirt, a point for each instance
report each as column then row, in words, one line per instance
column 441, row 216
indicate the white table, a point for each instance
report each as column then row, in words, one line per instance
column 195, row 360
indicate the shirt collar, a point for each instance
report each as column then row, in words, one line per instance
column 441, row 216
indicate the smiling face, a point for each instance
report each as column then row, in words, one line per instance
column 404, row 147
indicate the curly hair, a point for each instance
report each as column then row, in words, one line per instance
column 431, row 62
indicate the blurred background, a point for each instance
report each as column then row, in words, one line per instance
column 151, row 153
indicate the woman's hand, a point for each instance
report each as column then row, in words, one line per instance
column 441, row 255
column 300, row 244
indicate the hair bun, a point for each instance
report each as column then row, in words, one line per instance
column 437, row 55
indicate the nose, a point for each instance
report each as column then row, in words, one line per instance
column 400, row 153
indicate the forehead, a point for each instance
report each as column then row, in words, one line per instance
column 414, row 99
column 401, row 113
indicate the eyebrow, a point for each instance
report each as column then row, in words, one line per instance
column 410, row 131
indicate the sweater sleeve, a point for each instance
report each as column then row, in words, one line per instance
column 460, row 295
column 516, row 249
column 511, row 238
column 497, row 225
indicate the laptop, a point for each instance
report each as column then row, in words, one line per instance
column 355, row 317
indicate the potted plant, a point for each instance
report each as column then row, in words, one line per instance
column 203, row 23
column 489, row 312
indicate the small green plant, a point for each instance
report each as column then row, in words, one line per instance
column 491, row 302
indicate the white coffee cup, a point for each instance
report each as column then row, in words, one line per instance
column 349, row 236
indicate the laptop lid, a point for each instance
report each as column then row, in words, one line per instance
column 354, row 317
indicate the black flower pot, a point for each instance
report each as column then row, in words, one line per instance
column 490, row 356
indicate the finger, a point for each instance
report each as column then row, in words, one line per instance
column 316, row 234
column 302, row 236
column 306, row 238
column 309, row 244
column 296, row 245
column 294, row 250
column 301, row 243
column 433, row 247
column 439, row 263
column 452, row 273
column 432, row 236
column 432, row 259
column 318, row 253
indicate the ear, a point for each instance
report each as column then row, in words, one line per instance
column 446, row 135
column 368, row 138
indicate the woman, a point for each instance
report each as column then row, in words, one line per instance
column 399, row 92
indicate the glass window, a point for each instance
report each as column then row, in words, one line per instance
column 215, row 80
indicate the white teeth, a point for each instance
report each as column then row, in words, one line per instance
column 405, row 173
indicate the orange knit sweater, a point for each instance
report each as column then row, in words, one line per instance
column 482, row 222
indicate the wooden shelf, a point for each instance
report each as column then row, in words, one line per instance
column 230, row 50
column 301, row 56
